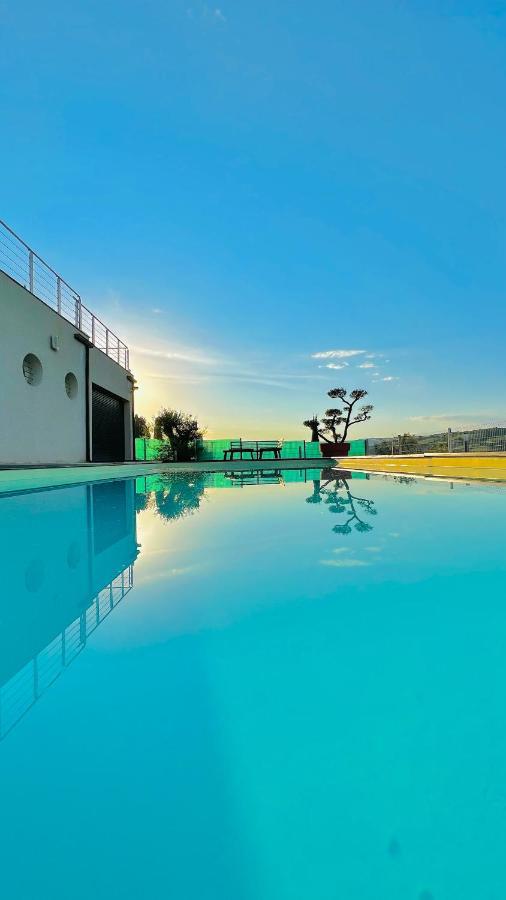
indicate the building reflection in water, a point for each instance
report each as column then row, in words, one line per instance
column 67, row 561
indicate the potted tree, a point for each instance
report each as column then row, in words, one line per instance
column 343, row 419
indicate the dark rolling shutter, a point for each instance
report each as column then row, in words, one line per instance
column 108, row 426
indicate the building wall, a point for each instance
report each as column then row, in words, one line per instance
column 40, row 423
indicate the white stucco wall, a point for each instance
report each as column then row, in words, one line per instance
column 40, row 423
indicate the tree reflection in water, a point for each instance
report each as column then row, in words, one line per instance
column 334, row 491
column 175, row 496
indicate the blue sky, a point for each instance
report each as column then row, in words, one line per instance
column 237, row 188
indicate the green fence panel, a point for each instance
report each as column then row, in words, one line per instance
column 357, row 448
column 147, row 448
column 207, row 450
column 213, row 449
column 313, row 449
column 300, row 450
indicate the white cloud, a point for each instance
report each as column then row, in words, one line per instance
column 206, row 13
column 366, row 366
column 345, row 563
column 336, row 354
column 390, row 378
column 333, row 366
column 187, row 356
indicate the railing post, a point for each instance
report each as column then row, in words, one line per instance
column 449, row 440
column 93, row 329
column 82, row 628
column 118, row 350
column 30, row 271
column 107, row 342
column 35, row 678
column 58, row 295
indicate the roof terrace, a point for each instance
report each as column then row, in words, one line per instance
column 26, row 267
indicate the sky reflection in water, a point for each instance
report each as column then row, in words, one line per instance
column 272, row 686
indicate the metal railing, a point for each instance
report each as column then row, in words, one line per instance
column 473, row 440
column 26, row 267
column 23, row 690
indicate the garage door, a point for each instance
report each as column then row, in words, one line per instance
column 108, row 426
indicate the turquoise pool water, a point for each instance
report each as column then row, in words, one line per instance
column 251, row 687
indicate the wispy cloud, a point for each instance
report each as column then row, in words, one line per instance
column 334, row 366
column 283, row 380
column 206, row 13
column 178, row 378
column 390, row 378
column 345, row 563
column 336, row 354
column 366, row 366
column 186, row 356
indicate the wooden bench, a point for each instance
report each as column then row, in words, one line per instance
column 255, row 449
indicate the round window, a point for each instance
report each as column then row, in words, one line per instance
column 32, row 369
column 71, row 385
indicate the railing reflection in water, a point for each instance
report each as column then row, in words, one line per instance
column 23, row 690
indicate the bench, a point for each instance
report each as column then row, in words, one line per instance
column 255, row 449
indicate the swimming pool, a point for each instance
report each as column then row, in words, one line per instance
column 278, row 685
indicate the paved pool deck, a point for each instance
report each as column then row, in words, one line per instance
column 14, row 479
column 451, row 466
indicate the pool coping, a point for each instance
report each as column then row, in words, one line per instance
column 470, row 467
column 16, row 479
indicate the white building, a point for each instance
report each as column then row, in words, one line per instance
column 66, row 390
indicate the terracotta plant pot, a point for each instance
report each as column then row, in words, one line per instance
column 330, row 450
